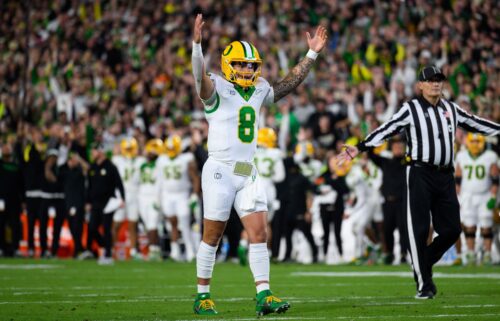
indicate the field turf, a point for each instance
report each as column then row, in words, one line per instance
column 74, row 290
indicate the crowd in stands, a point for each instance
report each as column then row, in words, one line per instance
column 76, row 72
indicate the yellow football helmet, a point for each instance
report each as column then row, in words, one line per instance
column 154, row 146
column 266, row 137
column 244, row 53
column 173, row 146
column 340, row 170
column 305, row 148
column 379, row 149
column 475, row 143
column 129, row 147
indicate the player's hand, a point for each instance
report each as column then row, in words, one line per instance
column 318, row 42
column 198, row 25
column 308, row 217
column 347, row 155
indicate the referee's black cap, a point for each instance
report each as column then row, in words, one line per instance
column 431, row 73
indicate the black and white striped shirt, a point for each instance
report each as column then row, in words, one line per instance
column 430, row 130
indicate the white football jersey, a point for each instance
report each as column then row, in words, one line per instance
column 174, row 173
column 233, row 119
column 269, row 163
column 476, row 171
column 149, row 180
column 129, row 169
column 311, row 169
column 357, row 181
column 375, row 180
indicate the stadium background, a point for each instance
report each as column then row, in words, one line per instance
column 77, row 71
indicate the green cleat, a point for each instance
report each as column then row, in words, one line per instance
column 268, row 303
column 203, row 305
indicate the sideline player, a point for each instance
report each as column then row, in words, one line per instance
column 179, row 183
column 477, row 185
column 232, row 103
column 149, row 196
column 128, row 165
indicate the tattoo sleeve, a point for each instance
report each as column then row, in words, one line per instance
column 293, row 79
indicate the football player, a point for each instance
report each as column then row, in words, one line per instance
column 232, row 105
column 374, row 177
column 304, row 157
column 362, row 209
column 477, row 185
column 179, row 185
column 149, row 196
column 128, row 164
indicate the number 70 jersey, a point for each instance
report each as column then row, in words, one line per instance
column 233, row 119
column 476, row 171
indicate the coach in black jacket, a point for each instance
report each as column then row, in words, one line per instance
column 430, row 123
column 104, row 182
column 11, row 201
column 394, row 191
column 74, row 179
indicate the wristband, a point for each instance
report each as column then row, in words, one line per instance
column 312, row 54
column 197, row 49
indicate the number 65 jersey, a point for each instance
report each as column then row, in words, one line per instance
column 233, row 119
column 476, row 171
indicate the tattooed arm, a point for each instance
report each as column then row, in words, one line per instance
column 293, row 79
column 300, row 71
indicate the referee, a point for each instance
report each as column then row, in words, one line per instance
column 429, row 122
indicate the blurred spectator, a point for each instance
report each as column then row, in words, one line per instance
column 393, row 165
column 30, row 152
column 297, row 208
column 11, row 202
column 332, row 212
column 73, row 175
column 106, row 195
column 52, row 191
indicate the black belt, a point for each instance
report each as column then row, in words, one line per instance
column 439, row 168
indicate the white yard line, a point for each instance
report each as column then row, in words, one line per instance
column 391, row 300
column 471, row 306
column 29, row 266
column 399, row 274
column 378, row 317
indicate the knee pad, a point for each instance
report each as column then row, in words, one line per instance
column 487, row 235
column 470, row 234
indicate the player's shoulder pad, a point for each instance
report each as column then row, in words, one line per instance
column 262, row 82
column 491, row 154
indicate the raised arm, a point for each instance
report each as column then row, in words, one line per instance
column 475, row 124
column 397, row 122
column 203, row 84
column 300, row 71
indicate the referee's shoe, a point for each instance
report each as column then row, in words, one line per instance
column 427, row 294
column 424, row 295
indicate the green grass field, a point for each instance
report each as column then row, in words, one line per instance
column 73, row 290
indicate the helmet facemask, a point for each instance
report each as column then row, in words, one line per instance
column 244, row 78
column 241, row 64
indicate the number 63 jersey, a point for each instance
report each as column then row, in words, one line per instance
column 476, row 171
column 233, row 118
